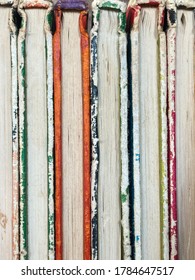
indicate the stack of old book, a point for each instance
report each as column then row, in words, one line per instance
column 97, row 129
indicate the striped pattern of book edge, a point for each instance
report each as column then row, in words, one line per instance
column 82, row 7
column 121, row 8
column 23, row 127
column 162, row 86
column 133, row 14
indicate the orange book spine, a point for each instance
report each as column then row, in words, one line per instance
column 58, row 134
column 85, row 54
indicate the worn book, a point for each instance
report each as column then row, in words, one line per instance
column 72, row 131
column 9, row 153
column 36, row 134
column 148, row 130
column 185, row 127
column 109, row 171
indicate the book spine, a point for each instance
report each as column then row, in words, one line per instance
column 94, row 136
column 163, row 136
column 15, row 146
column 135, row 191
column 85, row 54
column 126, row 248
column 50, row 131
column 58, row 134
column 171, row 47
column 22, row 139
